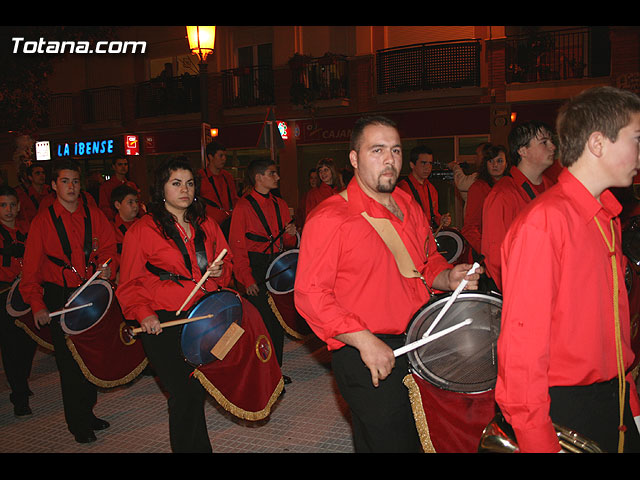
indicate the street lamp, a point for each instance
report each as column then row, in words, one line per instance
column 201, row 42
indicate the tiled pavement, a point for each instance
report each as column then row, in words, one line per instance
column 309, row 418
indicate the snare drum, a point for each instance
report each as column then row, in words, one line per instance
column 281, row 274
column 198, row 338
column 451, row 244
column 452, row 378
column 99, row 293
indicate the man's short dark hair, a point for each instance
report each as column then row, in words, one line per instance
column 362, row 123
column 119, row 193
column 65, row 164
column 7, row 191
column 522, row 134
column 214, row 147
column 417, row 151
column 258, row 166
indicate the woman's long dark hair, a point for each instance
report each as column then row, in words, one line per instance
column 491, row 152
column 196, row 212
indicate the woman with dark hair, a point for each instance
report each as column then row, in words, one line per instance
column 330, row 183
column 492, row 168
column 164, row 255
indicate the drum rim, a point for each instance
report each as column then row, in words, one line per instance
column 432, row 378
column 10, row 310
column 192, row 312
column 268, row 274
column 97, row 281
column 457, row 236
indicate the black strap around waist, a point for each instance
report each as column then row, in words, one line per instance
column 166, row 275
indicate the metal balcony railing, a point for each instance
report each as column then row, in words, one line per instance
column 59, row 111
column 101, row 104
column 322, row 78
column 247, row 86
column 557, row 55
column 168, row 96
column 428, row 66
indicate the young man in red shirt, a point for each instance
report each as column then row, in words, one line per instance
column 564, row 345
column 30, row 197
column 532, row 152
column 351, row 292
column 120, row 171
column 59, row 257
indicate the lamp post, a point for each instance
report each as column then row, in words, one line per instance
column 202, row 42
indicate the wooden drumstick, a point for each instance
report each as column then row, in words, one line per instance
column 451, row 299
column 67, row 310
column 87, row 283
column 173, row 323
column 202, row 280
column 424, row 340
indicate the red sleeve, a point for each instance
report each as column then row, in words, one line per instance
column 472, row 227
column 497, row 215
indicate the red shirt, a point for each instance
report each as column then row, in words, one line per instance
column 426, row 191
column 317, row 195
column 43, row 241
column 8, row 273
column 507, row 198
column 30, row 201
column 245, row 220
column 142, row 293
column 104, row 197
column 347, row 280
column 224, row 195
column 472, row 227
column 121, row 228
column 557, row 313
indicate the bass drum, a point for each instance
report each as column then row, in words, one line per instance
column 451, row 244
column 452, row 378
column 281, row 274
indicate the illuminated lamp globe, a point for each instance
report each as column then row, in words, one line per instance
column 201, row 41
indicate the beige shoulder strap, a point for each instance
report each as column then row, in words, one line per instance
column 393, row 241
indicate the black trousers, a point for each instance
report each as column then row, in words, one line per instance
column 18, row 350
column 382, row 418
column 79, row 395
column 593, row 412
column 186, row 396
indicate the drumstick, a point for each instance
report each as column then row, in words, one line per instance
column 67, row 310
column 424, row 340
column 202, row 280
column 173, row 323
column 451, row 299
column 87, row 283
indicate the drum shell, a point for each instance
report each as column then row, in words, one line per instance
column 452, row 245
column 100, row 294
column 465, row 360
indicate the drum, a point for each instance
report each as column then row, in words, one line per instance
column 16, row 306
column 99, row 293
column 198, row 338
column 281, row 274
column 248, row 381
column 451, row 244
column 631, row 243
column 452, row 378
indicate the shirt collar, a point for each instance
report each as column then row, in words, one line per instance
column 584, row 202
column 360, row 201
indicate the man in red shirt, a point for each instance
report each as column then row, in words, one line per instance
column 564, row 344
column 17, row 347
column 127, row 205
column 257, row 221
column 532, row 152
column 52, row 271
column 217, row 187
column 120, row 171
column 352, row 294
column 30, row 197
column 421, row 189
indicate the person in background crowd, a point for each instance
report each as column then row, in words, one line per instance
column 418, row 185
column 32, row 195
column 492, row 168
column 120, row 171
column 330, row 183
column 126, row 203
column 564, row 347
column 531, row 151
column 314, row 182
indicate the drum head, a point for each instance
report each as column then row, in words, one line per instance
column 464, row 360
column 100, row 294
column 16, row 307
column 199, row 337
column 281, row 274
column 450, row 244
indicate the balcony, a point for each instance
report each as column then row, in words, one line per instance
column 101, row 105
column 428, row 66
column 247, row 86
column 168, row 96
column 558, row 55
column 324, row 78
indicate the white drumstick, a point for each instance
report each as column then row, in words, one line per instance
column 451, row 299
column 87, row 283
column 202, row 280
column 424, row 340
column 67, row 310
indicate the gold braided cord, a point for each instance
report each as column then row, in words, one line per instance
column 34, row 337
column 418, row 413
column 618, row 339
column 283, row 324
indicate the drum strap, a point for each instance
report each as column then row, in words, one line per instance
column 213, row 184
column 392, row 240
column 417, row 197
column 201, row 253
column 10, row 248
column 64, row 239
column 527, row 188
column 123, row 229
column 165, row 275
column 263, row 219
